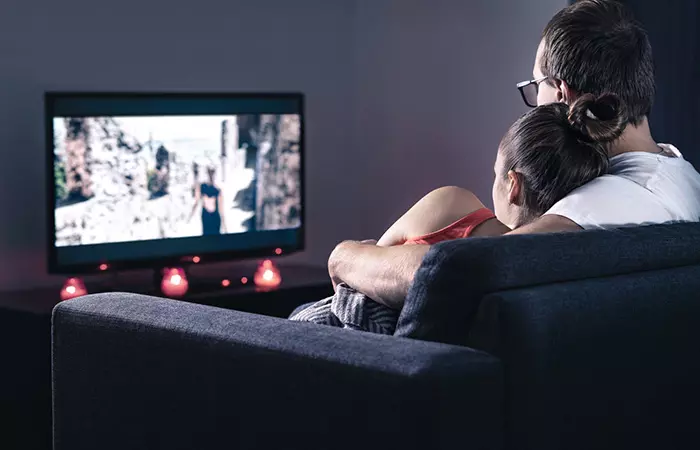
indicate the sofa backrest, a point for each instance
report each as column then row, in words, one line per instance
column 455, row 275
column 598, row 331
column 609, row 362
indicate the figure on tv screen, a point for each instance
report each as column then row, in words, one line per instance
column 159, row 181
column 209, row 195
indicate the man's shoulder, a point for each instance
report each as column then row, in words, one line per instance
column 659, row 173
column 605, row 185
column 607, row 192
column 641, row 188
column 643, row 174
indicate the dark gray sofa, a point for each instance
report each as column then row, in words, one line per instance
column 583, row 340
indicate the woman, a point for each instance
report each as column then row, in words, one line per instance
column 212, row 202
column 545, row 155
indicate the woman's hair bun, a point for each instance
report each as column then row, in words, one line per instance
column 598, row 119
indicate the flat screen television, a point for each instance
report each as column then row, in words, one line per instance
column 141, row 180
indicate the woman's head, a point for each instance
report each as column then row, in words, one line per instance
column 552, row 150
column 211, row 171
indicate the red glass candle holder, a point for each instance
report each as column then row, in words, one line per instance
column 74, row 287
column 267, row 276
column 174, row 282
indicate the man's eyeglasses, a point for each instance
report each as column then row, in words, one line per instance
column 529, row 90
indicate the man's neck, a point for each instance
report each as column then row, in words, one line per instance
column 635, row 139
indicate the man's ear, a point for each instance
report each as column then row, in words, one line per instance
column 564, row 93
column 515, row 188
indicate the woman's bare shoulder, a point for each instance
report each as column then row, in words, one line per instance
column 454, row 197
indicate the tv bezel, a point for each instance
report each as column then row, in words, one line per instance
column 157, row 262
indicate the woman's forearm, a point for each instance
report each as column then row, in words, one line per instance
column 194, row 208
column 221, row 213
column 382, row 273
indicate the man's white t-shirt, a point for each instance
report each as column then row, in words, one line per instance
column 639, row 189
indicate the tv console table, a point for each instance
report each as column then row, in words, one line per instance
column 25, row 331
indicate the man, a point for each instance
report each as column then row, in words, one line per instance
column 592, row 46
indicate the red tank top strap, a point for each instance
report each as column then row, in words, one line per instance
column 457, row 230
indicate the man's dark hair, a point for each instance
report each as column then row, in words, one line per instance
column 596, row 46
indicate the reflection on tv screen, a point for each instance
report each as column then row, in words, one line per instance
column 136, row 178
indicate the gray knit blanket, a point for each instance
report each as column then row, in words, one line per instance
column 348, row 308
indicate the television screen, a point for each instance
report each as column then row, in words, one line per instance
column 137, row 180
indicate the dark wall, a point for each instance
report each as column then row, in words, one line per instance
column 435, row 90
column 402, row 95
column 181, row 45
column 674, row 31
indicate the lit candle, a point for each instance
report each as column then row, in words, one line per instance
column 74, row 287
column 267, row 275
column 174, row 282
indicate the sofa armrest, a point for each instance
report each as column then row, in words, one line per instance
column 131, row 371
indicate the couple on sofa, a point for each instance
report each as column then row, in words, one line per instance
column 583, row 158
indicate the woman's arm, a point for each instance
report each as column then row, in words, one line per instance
column 197, row 198
column 220, row 199
column 386, row 274
column 435, row 211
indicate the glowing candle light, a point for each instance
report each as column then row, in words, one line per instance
column 267, row 275
column 74, row 287
column 174, row 282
